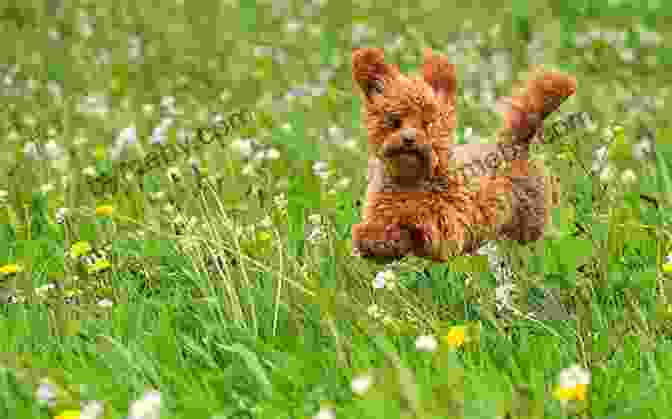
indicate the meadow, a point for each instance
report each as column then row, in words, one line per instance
column 222, row 285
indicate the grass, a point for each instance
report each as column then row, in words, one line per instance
column 230, row 287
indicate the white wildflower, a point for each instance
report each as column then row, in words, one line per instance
column 92, row 410
column 600, row 158
column 627, row 55
column 46, row 393
column 266, row 222
column 85, row 25
column 649, row 38
column 242, row 147
column 335, row 132
column 280, row 201
column 135, row 47
column 607, row 174
column 53, row 151
column 574, row 375
column 159, row 132
column 31, row 151
column 294, row 26
column 325, row 412
column 385, row 279
column 62, row 214
column 96, row 104
column 503, row 295
column 147, row 407
column 321, row 169
column 89, row 171
column 43, row 290
column 316, row 234
column 628, row 177
column 426, row 343
column 128, row 136
column 105, row 303
column 361, row 384
column 642, row 149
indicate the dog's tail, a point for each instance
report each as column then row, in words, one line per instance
column 524, row 112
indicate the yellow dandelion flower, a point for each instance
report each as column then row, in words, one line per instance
column 456, row 336
column 79, row 249
column 578, row 392
column 264, row 236
column 572, row 384
column 98, row 266
column 68, row 414
column 105, row 210
column 10, row 269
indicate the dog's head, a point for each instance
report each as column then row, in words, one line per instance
column 405, row 115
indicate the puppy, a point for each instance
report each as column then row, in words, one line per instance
column 421, row 199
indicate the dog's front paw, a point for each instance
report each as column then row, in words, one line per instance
column 422, row 237
column 381, row 241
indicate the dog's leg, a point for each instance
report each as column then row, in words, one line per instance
column 371, row 240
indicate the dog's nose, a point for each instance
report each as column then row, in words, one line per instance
column 408, row 136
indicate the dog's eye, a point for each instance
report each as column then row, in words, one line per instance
column 393, row 121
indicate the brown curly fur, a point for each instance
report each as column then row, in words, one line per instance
column 420, row 198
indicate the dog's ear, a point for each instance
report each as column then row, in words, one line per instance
column 370, row 71
column 439, row 73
